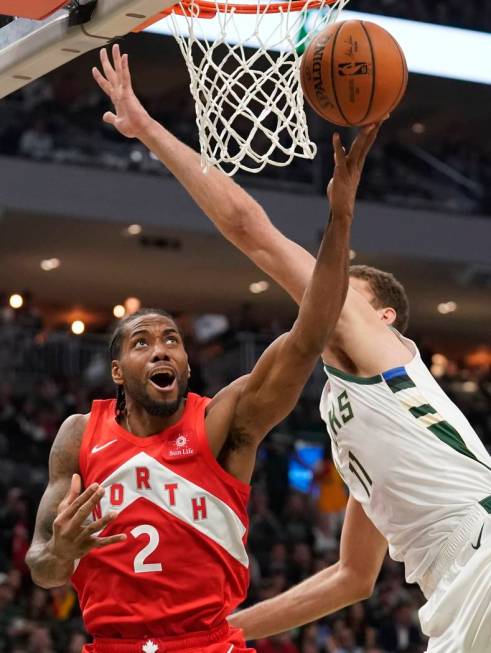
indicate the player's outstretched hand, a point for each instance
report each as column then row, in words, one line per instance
column 348, row 167
column 130, row 117
column 72, row 538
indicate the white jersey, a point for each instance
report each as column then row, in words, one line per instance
column 408, row 455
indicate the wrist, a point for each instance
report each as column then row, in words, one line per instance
column 57, row 555
column 146, row 124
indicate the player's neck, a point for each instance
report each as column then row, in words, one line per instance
column 139, row 422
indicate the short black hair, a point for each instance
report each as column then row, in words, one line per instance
column 118, row 333
column 388, row 292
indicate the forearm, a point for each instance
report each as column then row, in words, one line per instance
column 325, row 592
column 47, row 569
column 326, row 293
column 219, row 197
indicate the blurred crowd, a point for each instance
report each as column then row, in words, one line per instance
column 468, row 14
column 293, row 533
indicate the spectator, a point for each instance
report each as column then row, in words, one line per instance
column 400, row 632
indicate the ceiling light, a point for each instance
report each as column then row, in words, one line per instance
column 48, row 264
column 418, row 128
column 77, row 327
column 437, row 370
column 469, row 386
column 439, row 359
column 16, row 300
column 259, row 287
column 134, row 229
column 119, row 311
column 447, row 307
column 132, row 304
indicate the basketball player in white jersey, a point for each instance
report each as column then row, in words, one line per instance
column 419, row 477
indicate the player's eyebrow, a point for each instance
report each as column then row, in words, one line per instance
column 145, row 331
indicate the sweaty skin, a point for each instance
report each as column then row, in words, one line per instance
column 238, row 417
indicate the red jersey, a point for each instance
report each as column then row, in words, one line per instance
column 183, row 567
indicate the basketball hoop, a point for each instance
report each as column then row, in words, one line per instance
column 245, row 77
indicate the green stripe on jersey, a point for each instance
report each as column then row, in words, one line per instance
column 442, row 429
column 398, row 383
column 421, row 411
column 362, row 380
column 446, row 433
column 486, row 503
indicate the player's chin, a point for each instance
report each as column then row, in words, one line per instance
column 161, row 407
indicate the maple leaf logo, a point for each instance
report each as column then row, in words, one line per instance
column 150, row 647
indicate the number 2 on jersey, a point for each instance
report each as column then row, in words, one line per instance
column 139, row 564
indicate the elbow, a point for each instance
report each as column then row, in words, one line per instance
column 360, row 587
column 44, row 582
column 249, row 227
column 365, row 589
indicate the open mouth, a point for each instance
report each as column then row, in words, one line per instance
column 163, row 380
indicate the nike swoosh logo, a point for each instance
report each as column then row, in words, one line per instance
column 478, row 543
column 102, row 446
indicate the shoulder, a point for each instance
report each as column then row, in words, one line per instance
column 73, row 427
column 229, row 394
column 66, row 446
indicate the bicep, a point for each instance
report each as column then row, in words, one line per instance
column 48, row 508
column 270, row 392
column 63, row 463
column 363, row 547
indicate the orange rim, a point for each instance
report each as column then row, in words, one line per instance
column 208, row 9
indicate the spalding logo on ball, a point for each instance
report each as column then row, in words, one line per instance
column 353, row 73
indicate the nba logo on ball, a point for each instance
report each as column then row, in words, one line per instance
column 350, row 69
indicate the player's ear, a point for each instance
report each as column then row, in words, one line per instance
column 387, row 315
column 117, row 373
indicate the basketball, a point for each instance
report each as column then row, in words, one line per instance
column 353, row 73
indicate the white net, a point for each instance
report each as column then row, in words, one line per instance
column 245, row 80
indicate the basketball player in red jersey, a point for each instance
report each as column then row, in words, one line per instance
column 145, row 510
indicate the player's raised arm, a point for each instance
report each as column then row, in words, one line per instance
column 234, row 212
column 350, row 580
column 243, row 221
column 61, row 535
column 272, row 389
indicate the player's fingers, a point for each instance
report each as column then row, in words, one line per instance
column 84, row 510
column 109, row 117
column 75, row 488
column 92, row 491
column 117, row 61
column 370, row 136
column 107, row 67
column 360, row 143
column 339, row 151
column 100, row 542
column 101, row 523
column 126, row 72
column 101, row 81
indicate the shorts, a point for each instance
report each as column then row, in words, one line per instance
column 457, row 616
column 223, row 639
